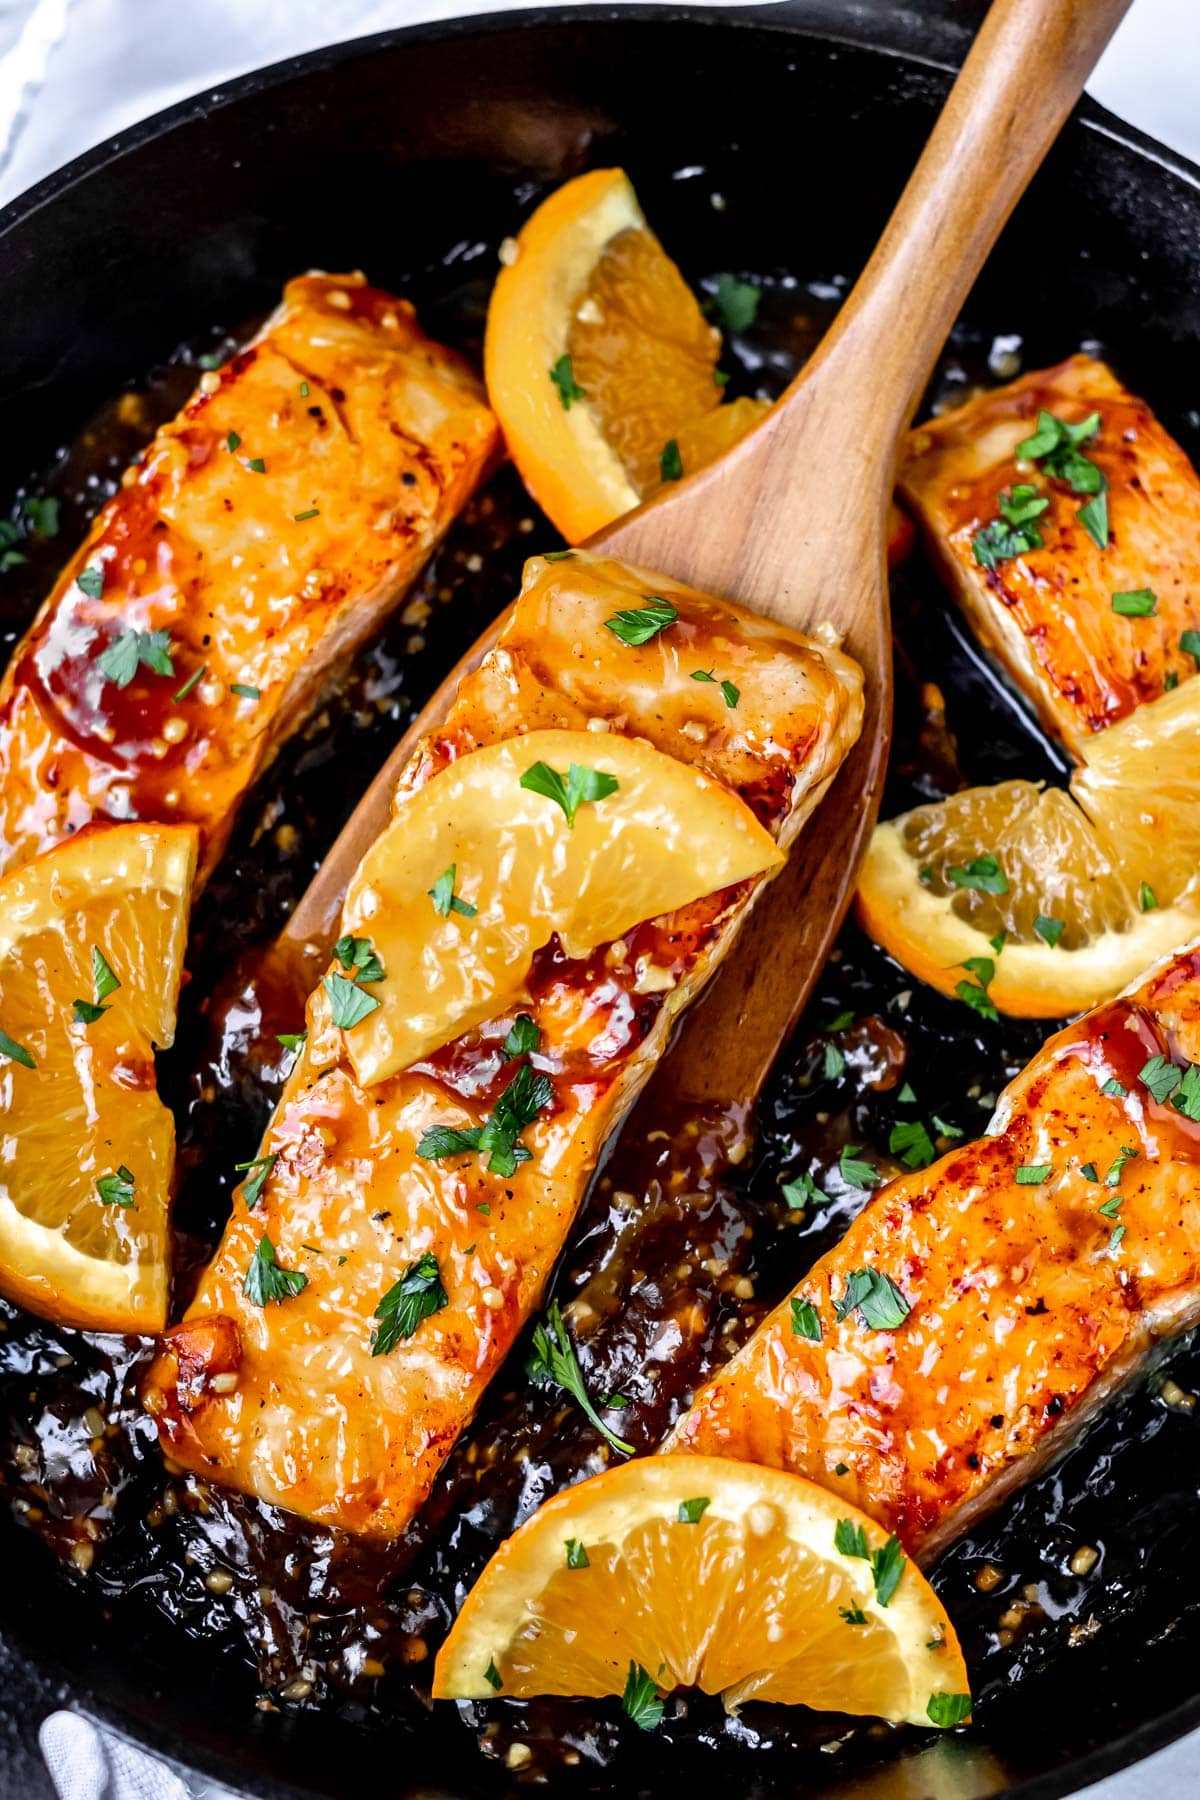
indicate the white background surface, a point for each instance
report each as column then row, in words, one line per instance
column 72, row 72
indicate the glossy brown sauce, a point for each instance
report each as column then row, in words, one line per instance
column 683, row 1244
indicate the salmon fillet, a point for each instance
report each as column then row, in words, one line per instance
column 286, row 1401
column 260, row 539
column 1036, row 1268
column 1047, row 611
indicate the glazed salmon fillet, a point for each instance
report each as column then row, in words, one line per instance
column 261, row 538
column 1046, row 611
column 1014, row 1285
column 286, row 1400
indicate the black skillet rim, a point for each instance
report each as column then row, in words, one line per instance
column 879, row 27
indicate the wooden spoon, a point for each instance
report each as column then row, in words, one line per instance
column 792, row 522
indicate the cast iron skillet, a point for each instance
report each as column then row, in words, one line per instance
column 395, row 153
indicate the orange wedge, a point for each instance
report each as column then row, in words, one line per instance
column 698, row 1571
column 89, row 1146
column 1089, row 887
column 598, row 359
column 514, row 872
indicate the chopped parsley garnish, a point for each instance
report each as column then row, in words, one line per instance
column 1189, row 643
column 313, row 512
column 445, row 900
column 417, row 1295
column 670, row 463
column 41, row 512
column 1135, row 603
column 887, row 1563
column 998, row 942
column 1161, row 1076
column 855, row 1172
column 851, row 1539
column 833, row 1062
column 349, row 1004
column 557, row 555
column 1146, row 898
column 1114, row 1242
column 10, row 535
column 944, row 1128
column 1187, row 1100
column 233, row 442
column 577, row 1556
column 118, row 1188
column 1089, row 1171
column 90, row 581
column 692, row 1510
column 975, row 993
column 192, row 681
column 806, row 1320
column 840, row 1020
column 244, row 691
column 266, row 1281
column 524, row 1037
column 1048, row 929
column 580, row 787
column 1033, row 1174
column 492, row 1676
column 257, row 466
column 911, row 1142
column 104, row 981
column 907, row 1095
column 1094, row 519
column 553, row 1363
column 1014, row 533
column 735, row 303
column 731, row 693
column 876, row 1299
column 563, row 377
column 15, row 1052
column 1056, row 445
column 261, row 1167
column 358, row 955
column 304, row 390
column 1116, row 1090
column 639, row 624
column 292, row 1040
column 801, row 1189
column 524, row 1097
column 853, row 1615
column 841, row 1468
column 119, row 662
column 948, row 1710
column 982, row 873
column 641, row 1699
column 1170, row 681
column 1113, row 1177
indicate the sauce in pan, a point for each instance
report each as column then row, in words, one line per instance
column 685, row 1242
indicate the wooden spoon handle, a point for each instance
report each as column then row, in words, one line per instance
column 1024, row 73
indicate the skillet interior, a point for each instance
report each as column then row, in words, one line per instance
column 405, row 156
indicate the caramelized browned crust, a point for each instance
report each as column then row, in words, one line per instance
column 308, row 1418
column 1028, row 1303
column 1048, row 614
column 266, row 531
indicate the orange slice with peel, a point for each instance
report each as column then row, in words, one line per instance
column 514, row 871
column 597, row 357
column 700, row 1571
column 89, row 1146
column 1098, row 883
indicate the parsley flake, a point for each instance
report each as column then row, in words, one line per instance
column 445, row 900
column 261, row 1167
column 266, row 1281
column 1116, row 1090
column 800, row 1190
column 1161, row 1077
column 257, row 466
column 911, row 1142
column 806, row 1321
column 1146, row 898
column 90, row 581
column 670, row 463
column 313, row 512
column 1187, row 1100
column 1135, row 603
column 581, row 786
column 349, row 1004
column 492, row 1676
column 856, row 1172
column 524, row 1037
column 563, row 377
column 119, row 662
column 948, row 1710
column 417, row 1295
column 853, row 1615
column 41, row 512
column 1113, row 1177
column 982, row 873
column 730, row 693
column 117, row 1189
column 851, row 1539
column 244, row 691
column 1033, row 1174
column 553, row 1363
column 641, row 1699
column 1048, row 929
column 637, row 625
column 577, row 1556
column 692, row 1510
column 1189, row 643
column 15, row 1052
column 292, row 1040
column 876, row 1299
column 834, row 1062
column 1094, row 519
column 735, row 302
column 359, row 956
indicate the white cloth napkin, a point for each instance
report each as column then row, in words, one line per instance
column 73, row 72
